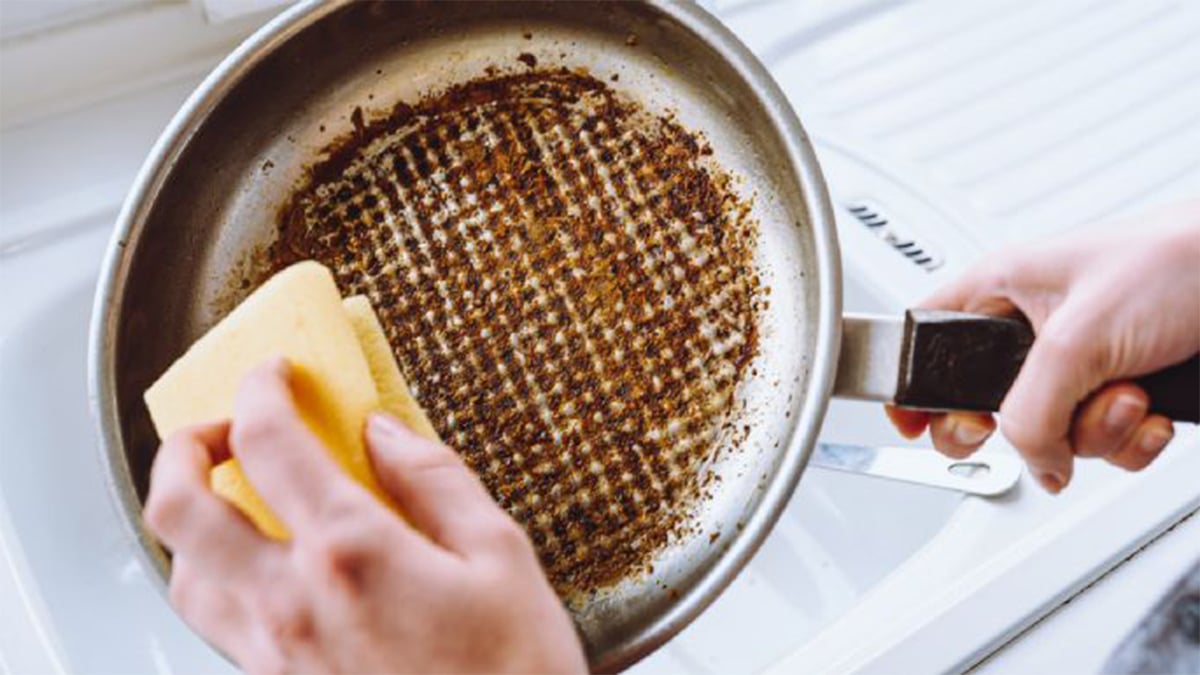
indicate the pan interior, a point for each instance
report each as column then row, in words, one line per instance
column 215, row 217
column 571, row 294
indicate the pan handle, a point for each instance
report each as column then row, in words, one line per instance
column 936, row 360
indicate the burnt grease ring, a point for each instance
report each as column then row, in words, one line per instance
column 568, row 284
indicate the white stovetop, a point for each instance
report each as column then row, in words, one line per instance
column 971, row 124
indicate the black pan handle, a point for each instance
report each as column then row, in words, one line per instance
column 1175, row 391
column 956, row 361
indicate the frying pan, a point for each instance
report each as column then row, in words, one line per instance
column 205, row 206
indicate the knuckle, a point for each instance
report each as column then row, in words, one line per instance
column 166, row 510
column 1016, row 264
column 506, row 537
column 347, row 512
column 1003, row 272
column 1071, row 339
column 343, row 557
column 181, row 593
column 177, row 442
column 999, row 271
column 289, row 623
column 258, row 431
column 1024, row 436
column 1059, row 340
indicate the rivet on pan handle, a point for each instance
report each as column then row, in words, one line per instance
column 936, row 360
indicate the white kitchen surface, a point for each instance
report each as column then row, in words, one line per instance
column 967, row 125
column 1078, row 637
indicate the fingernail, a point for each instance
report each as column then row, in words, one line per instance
column 967, row 433
column 1052, row 482
column 279, row 364
column 1153, row 440
column 1124, row 412
column 381, row 423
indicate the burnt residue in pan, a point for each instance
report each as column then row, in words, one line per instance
column 568, row 284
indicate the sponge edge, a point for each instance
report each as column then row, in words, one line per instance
column 229, row 482
column 394, row 396
column 297, row 314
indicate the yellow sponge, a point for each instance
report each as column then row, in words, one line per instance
column 394, row 396
column 228, row 481
column 297, row 314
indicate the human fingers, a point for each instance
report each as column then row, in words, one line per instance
column 285, row 461
column 214, row 436
column 910, row 423
column 1107, row 420
column 184, row 512
column 1064, row 365
column 1144, row 444
column 959, row 434
column 437, row 492
column 207, row 604
column 1017, row 281
column 984, row 289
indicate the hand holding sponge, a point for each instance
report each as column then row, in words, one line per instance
column 343, row 370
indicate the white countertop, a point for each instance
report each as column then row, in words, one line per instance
column 859, row 575
column 1078, row 636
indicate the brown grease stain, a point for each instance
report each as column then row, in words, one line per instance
column 567, row 283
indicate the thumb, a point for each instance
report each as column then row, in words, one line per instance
column 434, row 489
column 1065, row 364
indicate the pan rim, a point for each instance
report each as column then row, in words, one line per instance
column 825, row 317
column 805, row 426
column 112, row 280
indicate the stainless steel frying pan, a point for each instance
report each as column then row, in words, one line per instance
column 206, row 201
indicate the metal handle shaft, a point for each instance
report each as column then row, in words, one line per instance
column 935, row 360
